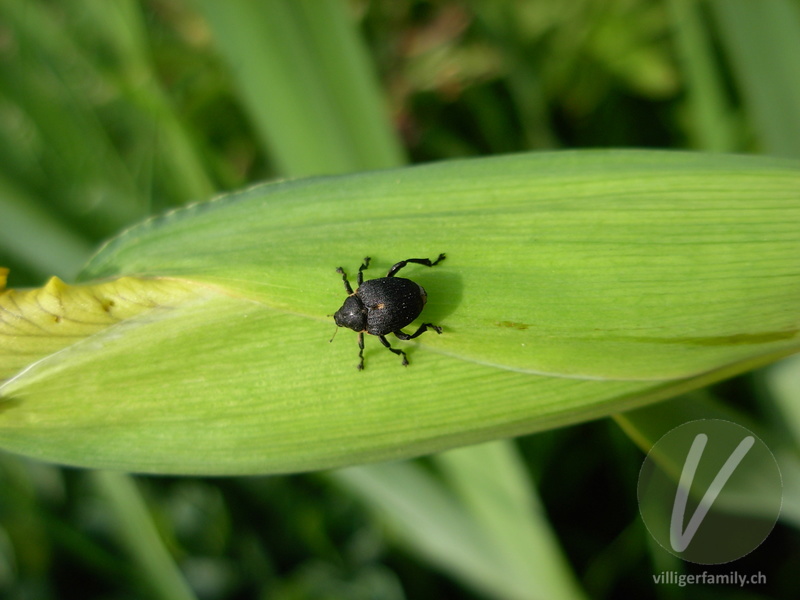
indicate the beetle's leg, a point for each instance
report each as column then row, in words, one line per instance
column 385, row 342
column 360, row 350
column 422, row 329
column 363, row 266
column 420, row 261
column 347, row 287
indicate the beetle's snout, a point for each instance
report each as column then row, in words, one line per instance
column 352, row 315
column 339, row 318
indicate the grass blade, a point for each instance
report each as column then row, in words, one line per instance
column 304, row 84
column 763, row 41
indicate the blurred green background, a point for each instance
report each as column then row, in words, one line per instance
column 113, row 111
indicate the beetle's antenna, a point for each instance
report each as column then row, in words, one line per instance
column 334, row 334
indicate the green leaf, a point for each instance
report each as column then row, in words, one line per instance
column 489, row 530
column 42, row 322
column 762, row 40
column 301, row 73
column 711, row 125
column 493, row 486
column 135, row 528
column 577, row 284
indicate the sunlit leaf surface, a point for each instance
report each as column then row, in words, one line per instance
column 576, row 284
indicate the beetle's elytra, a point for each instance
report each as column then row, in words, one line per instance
column 384, row 305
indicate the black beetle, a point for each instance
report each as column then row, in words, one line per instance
column 384, row 305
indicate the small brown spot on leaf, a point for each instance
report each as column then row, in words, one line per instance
column 512, row 325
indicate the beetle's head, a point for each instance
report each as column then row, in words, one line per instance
column 352, row 315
